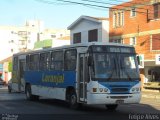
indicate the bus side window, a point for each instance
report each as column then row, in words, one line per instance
column 34, row 62
column 70, row 58
column 56, row 60
column 44, row 61
column 27, row 62
column 15, row 63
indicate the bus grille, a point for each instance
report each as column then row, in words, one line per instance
column 119, row 90
column 119, row 97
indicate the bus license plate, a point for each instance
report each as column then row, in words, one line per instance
column 119, row 101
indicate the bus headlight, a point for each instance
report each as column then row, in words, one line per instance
column 106, row 90
column 135, row 90
column 100, row 90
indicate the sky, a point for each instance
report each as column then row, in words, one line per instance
column 53, row 13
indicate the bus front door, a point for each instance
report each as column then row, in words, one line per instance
column 83, row 78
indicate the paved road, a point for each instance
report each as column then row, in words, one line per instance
column 15, row 106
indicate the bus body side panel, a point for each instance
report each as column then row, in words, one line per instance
column 49, row 92
column 50, row 84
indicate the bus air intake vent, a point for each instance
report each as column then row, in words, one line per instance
column 119, row 97
column 119, row 90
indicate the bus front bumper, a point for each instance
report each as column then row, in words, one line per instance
column 113, row 98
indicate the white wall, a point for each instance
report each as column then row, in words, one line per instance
column 85, row 25
column 33, row 39
column 57, row 43
column 105, row 31
column 5, row 48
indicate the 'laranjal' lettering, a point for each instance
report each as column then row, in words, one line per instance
column 53, row 78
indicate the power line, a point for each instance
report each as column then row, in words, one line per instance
column 52, row 3
column 85, row 4
column 79, row 3
column 92, row 1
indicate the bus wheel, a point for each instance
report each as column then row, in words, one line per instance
column 29, row 95
column 111, row 107
column 73, row 100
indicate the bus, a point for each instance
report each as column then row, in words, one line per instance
column 92, row 73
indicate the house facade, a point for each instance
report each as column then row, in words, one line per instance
column 89, row 29
column 138, row 23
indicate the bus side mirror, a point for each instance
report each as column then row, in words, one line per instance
column 138, row 59
column 89, row 61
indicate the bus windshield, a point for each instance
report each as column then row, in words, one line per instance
column 115, row 66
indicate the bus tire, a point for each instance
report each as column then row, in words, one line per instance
column 111, row 107
column 73, row 100
column 29, row 95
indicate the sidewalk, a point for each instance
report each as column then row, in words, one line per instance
column 154, row 94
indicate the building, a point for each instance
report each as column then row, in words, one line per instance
column 138, row 23
column 15, row 39
column 31, row 36
column 89, row 29
column 52, row 38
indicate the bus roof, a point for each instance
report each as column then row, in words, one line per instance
column 72, row 46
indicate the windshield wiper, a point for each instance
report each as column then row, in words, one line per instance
column 112, row 71
column 124, row 70
column 128, row 76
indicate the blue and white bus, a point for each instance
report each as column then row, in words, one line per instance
column 92, row 73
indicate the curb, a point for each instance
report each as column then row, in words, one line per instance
column 151, row 94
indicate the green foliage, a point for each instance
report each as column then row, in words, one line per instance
column 43, row 44
column 10, row 67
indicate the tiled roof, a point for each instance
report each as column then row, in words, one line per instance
column 131, row 3
column 98, row 18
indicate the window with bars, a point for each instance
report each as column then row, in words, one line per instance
column 133, row 41
column 117, row 41
column 118, row 19
column 156, row 8
column 133, row 12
